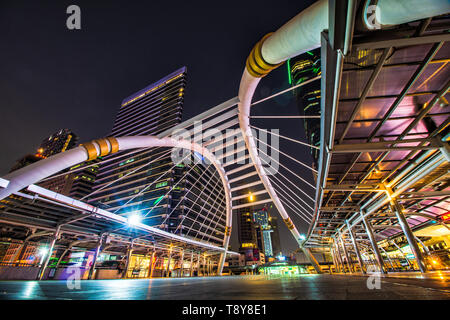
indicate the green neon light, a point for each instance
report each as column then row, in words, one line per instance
column 289, row 71
column 158, row 200
column 310, row 53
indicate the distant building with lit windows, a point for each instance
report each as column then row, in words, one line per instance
column 58, row 142
column 300, row 69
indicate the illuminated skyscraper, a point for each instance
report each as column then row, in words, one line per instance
column 58, row 142
column 149, row 111
column 146, row 182
column 300, row 69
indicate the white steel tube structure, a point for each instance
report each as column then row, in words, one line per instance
column 300, row 34
column 35, row 172
column 401, row 11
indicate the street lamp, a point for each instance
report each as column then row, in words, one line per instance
column 43, row 251
column 134, row 219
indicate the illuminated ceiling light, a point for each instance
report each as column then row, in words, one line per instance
column 43, row 251
column 445, row 216
column 302, row 237
column 134, row 219
column 251, row 197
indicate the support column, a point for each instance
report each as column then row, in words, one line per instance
column 198, row 264
column 151, row 265
column 182, row 264
column 333, row 257
column 347, row 257
column 355, row 246
column 63, row 255
column 191, row 271
column 398, row 210
column 154, row 264
column 49, row 254
column 169, row 257
column 127, row 264
column 312, row 259
column 404, row 255
column 425, row 249
column 96, row 253
column 222, row 258
column 373, row 242
column 338, row 265
column 204, row 265
column 339, row 255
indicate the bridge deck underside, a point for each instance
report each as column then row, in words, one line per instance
column 388, row 94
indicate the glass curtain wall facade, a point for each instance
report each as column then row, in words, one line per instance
column 300, row 69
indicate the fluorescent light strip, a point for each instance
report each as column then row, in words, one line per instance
column 4, row 183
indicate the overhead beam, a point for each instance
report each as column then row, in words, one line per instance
column 401, row 42
column 3, row 183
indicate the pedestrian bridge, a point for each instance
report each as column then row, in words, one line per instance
column 383, row 160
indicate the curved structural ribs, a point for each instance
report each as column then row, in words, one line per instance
column 35, row 172
column 300, row 34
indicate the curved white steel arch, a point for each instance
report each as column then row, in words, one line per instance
column 300, row 34
column 35, row 172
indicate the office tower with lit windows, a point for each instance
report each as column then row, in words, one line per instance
column 301, row 69
column 147, row 183
column 79, row 183
column 58, row 142
column 275, row 235
column 246, row 230
column 149, row 111
column 261, row 219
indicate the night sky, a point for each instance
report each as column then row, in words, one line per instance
column 53, row 78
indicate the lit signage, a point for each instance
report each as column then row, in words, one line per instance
column 446, row 216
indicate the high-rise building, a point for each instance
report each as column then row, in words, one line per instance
column 25, row 161
column 79, row 183
column 246, row 230
column 146, row 182
column 58, row 142
column 301, row 69
column 275, row 236
column 263, row 221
